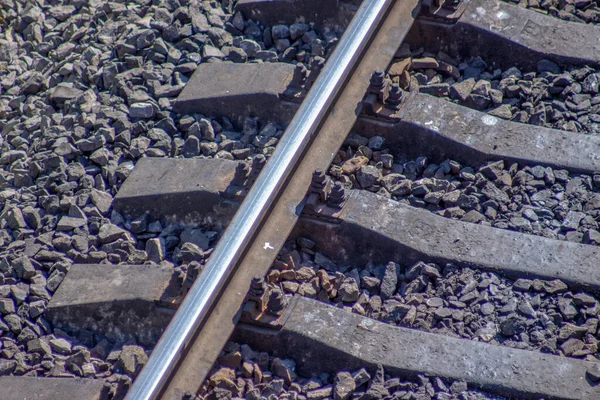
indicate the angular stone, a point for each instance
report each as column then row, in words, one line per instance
column 424, row 63
column 15, row 219
column 141, row 110
column 102, row 200
column 24, row 268
column 109, row 233
column 155, row 249
column 572, row 220
column 571, row 346
column 462, row 90
column 352, row 165
column 132, row 359
column 343, row 386
column 63, row 92
column 70, row 223
column 7, row 306
column 389, row 281
column 38, row 346
column 60, row 346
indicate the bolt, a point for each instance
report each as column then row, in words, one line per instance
column 395, row 96
column 258, row 162
column 277, row 302
column 317, row 64
column 242, row 169
column 318, row 180
column 241, row 173
column 378, row 86
column 337, row 196
column 258, row 286
column 315, row 68
column 378, row 79
column 299, row 76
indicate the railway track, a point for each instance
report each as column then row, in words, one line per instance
column 426, row 227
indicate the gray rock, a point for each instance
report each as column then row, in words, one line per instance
column 15, row 219
column 349, row 291
column 361, row 377
column 511, row 326
column 32, row 217
column 141, row 110
column 8, row 157
column 191, row 147
column 567, row 308
column 367, row 176
column 132, row 359
column 63, row 92
column 91, row 144
column 526, row 309
column 554, row 286
column 343, row 385
column 155, row 248
column 7, row 366
column 503, row 111
column 591, row 84
column 101, row 156
column 250, row 47
column 34, row 84
column 102, row 200
column 209, row 51
column 24, row 268
column 389, row 282
column 7, row 306
column 109, row 233
column 280, row 32
column 70, row 223
column 462, row 90
column 487, row 308
column 522, row 285
column 145, row 39
column 197, row 237
column 572, row 220
column 38, row 345
column 571, row 346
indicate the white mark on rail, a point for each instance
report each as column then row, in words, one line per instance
column 502, row 15
column 489, row 120
column 541, row 141
column 268, row 246
column 432, row 126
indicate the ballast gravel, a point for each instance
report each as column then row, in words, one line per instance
column 536, row 200
column 531, row 314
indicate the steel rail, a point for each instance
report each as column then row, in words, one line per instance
column 203, row 294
